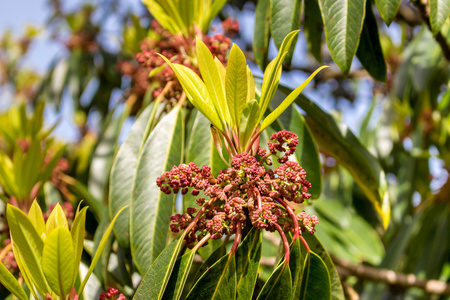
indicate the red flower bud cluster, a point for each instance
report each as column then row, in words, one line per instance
column 110, row 293
column 246, row 193
column 230, row 27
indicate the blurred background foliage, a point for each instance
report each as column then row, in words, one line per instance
column 393, row 96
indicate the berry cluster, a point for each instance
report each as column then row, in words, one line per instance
column 110, row 293
column 246, row 194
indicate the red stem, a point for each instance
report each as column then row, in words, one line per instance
column 294, row 218
column 202, row 241
column 305, row 243
column 287, row 252
column 258, row 197
column 198, row 215
column 237, row 238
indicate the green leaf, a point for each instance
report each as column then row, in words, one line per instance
column 261, row 37
column 318, row 285
column 295, row 265
column 248, row 256
column 179, row 276
column 339, row 141
column 56, row 219
column 236, row 85
column 58, row 261
column 272, row 74
column 212, row 79
column 288, row 101
column 36, row 218
column 343, row 20
column 214, row 10
column 154, row 282
column 78, row 232
column 196, row 92
column 99, row 251
column 306, row 153
column 337, row 292
column 10, row 283
column 279, row 284
column 30, row 245
column 439, row 13
column 285, row 18
column 218, row 282
column 313, row 29
column 369, row 50
column 388, row 9
column 151, row 209
column 249, row 122
column 201, row 151
column 123, row 173
column 250, row 85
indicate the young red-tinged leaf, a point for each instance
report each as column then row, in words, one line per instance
column 36, row 218
column 58, row 261
column 236, row 84
column 218, row 282
column 30, row 245
column 279, row 284
column 78, row 232
column 248, row 256
column 10, row 283
column 56, row 219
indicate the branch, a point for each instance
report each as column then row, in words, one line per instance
column 391, row 277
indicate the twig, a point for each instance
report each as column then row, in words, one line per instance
column 349, row 291
column 391, row 277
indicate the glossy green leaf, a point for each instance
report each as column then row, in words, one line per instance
column 439, row 13
column 288, row 101
column 30, row 245
column 250, row 85
column 179, row 276
column 99, row 251
column 369, row 50
column 123, row 173
column 295, row 266
column 36, row 218
column 343, row 20
column 11, row 284
column 78, row 232
column 340, row 142
column 248, row 256
column 212, row 79
column 201, row 151
column 284, row 19
column 319, row 284
column 261, row 36
column 56, row 219
column 279, row 284
column 388, row 9
column 218, row 282
column 58, row 261
column 272, row 74
column 306, row 153
column 313, row 29
column 151, row 209
column 154, row 282
column 249, row 122
column 196, row 92
column 24, row 271
column 236, row 84
column 337, row 292
column 214, row 10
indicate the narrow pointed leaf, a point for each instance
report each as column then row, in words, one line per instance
column 236, row 84
column 343, row 20
column 123, row 174
column 313, row 29
column 279, row 284
column 151, row 209
column 179, row 276
column 284, row 19
column 221, row 69
column 99, row 251
column 56, row 219
column 439, row 13
column 36, row 218
column 295, row 265
column 78, row 232
column 369, row 50
column 250, row 85
column 249, row 122
column 306, row 153
column 288, row 101
column 218, row 282
column 248, row 256
column 261, row 36
column 58, row 261
column 388, row 9
column 10, row 283
column 30, row 245
column 154, row 282
column 337, row 292
column 24, row 271
column 319, row 285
